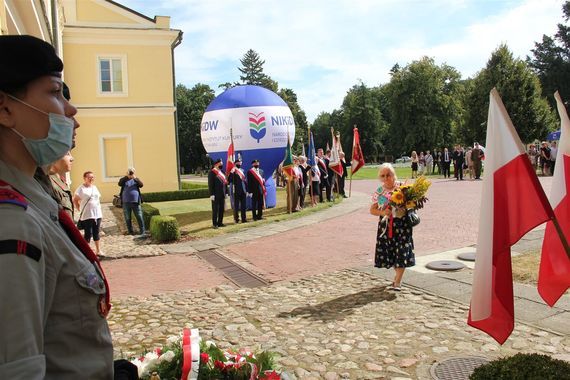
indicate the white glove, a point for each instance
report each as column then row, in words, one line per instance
column 250, row 195
column 212, row 197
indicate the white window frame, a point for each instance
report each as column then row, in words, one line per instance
column 123, row 59
column 102, row 139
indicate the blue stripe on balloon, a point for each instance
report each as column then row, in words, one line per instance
column 245, row 96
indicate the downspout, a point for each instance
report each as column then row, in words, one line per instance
column 54, row 26
column 176, row 42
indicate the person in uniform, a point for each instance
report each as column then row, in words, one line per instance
column 238, row 181
column 217, row 186
column 53, row 292
column 61, row 190
column 256, row 190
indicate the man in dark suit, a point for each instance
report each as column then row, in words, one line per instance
column 342, row 179
column 323, row 164
column 256, row 189
column 458, row 161
column 217, row 186
column 238, row 181
column 446, row 162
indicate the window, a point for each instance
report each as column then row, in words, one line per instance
column 111, row 75
column 116, row 154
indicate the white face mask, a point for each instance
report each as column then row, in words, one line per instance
column 57, row 143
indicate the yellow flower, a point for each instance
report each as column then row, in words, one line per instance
column 410, row 204
column 397, row 197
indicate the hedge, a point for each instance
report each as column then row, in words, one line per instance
column 177, row 195
column 164, row 228
column 523, row 367
column 148, row 213
column 193, row 185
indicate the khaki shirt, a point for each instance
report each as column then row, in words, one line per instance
column 50, row 326
column 62, row 193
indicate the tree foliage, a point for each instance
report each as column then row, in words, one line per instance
column 252, row 71
column 520, row 91
column 191, row 105
column 425, row 106
column 551, row 61
column 301, row 124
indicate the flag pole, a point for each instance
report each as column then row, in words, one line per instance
column 230, row 173
column 561, row 235
column 310, row 174
column 350, row 182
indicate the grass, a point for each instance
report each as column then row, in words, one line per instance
column 193, row 185
column 195, row 215
column 525, row 267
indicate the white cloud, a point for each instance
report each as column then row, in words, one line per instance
column 322, row 48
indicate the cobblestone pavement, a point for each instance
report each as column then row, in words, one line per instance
column 343, row 324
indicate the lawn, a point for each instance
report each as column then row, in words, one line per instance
column 195, row 215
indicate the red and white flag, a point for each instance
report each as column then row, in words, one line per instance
column 513, row 202
column 554, row 273
column 231, row 158
column 334, row 162
column 357, row 156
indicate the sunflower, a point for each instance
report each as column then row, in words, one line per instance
column 410, row 205
column 397, row 197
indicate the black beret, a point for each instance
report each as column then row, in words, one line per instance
column 254, row 162
column 66, row 93
column 217, row 161
column 25, row 58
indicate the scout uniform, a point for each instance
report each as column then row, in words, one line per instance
column 51, row 324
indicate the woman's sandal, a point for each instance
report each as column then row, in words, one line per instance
column 395, row 288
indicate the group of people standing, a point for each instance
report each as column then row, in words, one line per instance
column 464, row 161
column 244, row 185
column 543, row 157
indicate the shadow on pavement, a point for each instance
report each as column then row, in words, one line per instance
column 341, row 307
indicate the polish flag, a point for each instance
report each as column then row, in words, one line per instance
column 554, row 273
column 513, row 202
column 231, row 158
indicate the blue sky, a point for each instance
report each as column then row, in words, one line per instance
column 321, row 48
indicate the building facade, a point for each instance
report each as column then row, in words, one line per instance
column 119, row 65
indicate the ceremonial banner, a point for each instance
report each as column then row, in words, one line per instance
column 357, row 156
column 334, row 163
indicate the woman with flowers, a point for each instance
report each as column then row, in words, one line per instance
column 394, row 242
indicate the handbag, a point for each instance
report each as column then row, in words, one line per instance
column 80, row 225
column 413, row 217
column 117, row 201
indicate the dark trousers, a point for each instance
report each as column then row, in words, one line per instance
column 135, row 208
column 341, row 185
column 239, row 205
column 477, row 169
column 92, row 227
column 302, row 192
column 446, row 166
column 458, row 171
column 326, row 186
column 218, row 211
column 257, row 206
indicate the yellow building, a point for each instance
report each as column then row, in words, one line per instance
column 119, row 66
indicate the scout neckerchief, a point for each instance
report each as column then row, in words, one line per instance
column 220, row 175
column 104, row 304
column 259, row 179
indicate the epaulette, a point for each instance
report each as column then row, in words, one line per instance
column 9, row 195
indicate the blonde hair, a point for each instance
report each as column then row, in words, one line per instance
column 387, row 166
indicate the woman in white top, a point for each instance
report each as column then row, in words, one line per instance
column 87, row 200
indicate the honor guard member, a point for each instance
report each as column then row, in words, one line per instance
column 53, row 292
column 217, row 186
column 256, row 189
column 238, row 181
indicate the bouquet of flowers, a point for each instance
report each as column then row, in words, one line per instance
column 411, row 196
column 213, row 363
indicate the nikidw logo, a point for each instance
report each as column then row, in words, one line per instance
column 257, row 125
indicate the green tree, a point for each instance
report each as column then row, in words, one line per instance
column 362, row 106
column 301, row 124
column 191, row 105
column 551, row 61
column 252, row 71
column 520, row 91
column 425, row 106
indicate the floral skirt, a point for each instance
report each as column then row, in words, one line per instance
column 396, row 251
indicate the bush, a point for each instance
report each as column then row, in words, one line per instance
column 193, row 185
column 148, row 213
column 523, row 366
column 164, row 228
column 177, row 195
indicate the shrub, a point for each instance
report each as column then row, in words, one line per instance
column 177, row 195
column 148, row 213
column 523, row 366
column 164, row 228
column 193, row 185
